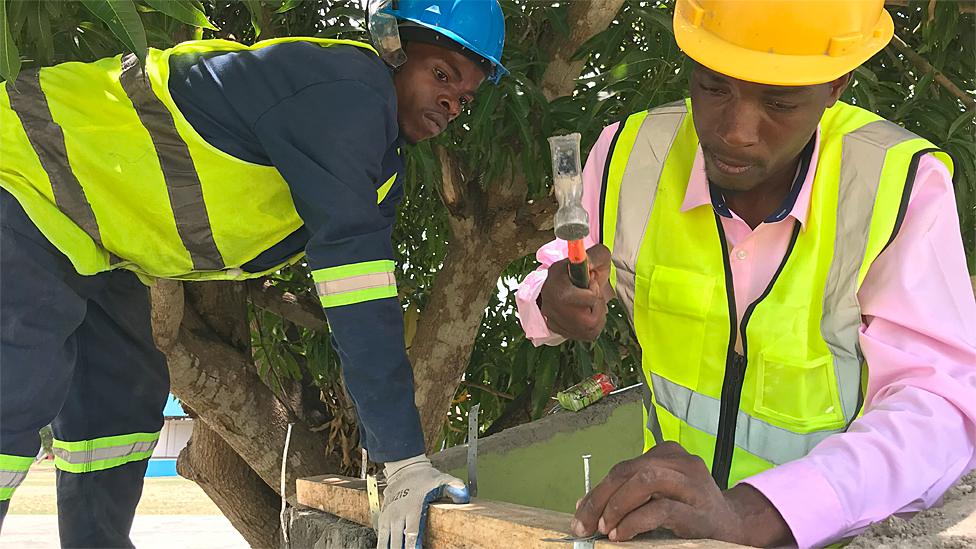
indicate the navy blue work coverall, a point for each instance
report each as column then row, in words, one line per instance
column 77, row 351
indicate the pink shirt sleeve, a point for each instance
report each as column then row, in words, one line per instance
column 918, row 432
column 529, row 314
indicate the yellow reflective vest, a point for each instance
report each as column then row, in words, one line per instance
column 114, row 176
column 801, row 375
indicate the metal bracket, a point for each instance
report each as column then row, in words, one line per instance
column 473, row 429
column 373, row 492
column 578, row 543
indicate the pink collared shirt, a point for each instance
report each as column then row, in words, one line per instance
column 918, row 333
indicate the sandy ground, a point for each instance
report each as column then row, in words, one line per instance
column 148, row 532
column 160, row 495
column 173, row 512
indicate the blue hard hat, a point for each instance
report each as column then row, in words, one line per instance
column 478, row 25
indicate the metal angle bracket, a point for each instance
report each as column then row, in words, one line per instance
column 473, row 429
column 373, row 493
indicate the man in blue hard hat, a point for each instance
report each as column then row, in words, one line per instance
column 215, row 160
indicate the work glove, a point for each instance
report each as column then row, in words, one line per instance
column 411, row 484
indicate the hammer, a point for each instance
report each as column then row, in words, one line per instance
column 572, row 223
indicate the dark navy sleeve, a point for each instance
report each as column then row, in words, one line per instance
column 328, row 124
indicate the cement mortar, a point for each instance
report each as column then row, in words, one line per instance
column 542, row 430
column 949, row 526
column 539, row 464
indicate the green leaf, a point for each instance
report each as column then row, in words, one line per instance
column 254, row 7
column 355, row 13
column 959, row 122
column 123, row 20
column 288, row 5
column 185, row 11
column 545, row 379
column 584, row 362
column 658, row 17
column 9, row 55
column 557, row 18
column 43, row 37
column 864, row 73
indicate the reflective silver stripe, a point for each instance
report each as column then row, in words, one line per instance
column 638, row 188
column 27, row 99
column 182, row 180
column 98, row 454
column 653, row 423
column 767, row 441
column 11, row 479
column 355, row 283
column 862, row 161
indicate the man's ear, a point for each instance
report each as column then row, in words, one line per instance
column 837, row 88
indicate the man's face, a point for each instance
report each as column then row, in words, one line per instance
column 753, row 133
column 432, row 87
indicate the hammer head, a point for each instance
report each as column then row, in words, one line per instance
column 571, row 221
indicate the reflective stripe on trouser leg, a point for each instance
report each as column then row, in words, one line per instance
column 85, row 456
column 13, row 470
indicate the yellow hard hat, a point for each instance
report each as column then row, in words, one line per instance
column 782, row 42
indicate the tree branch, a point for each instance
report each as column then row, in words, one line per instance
column 927, row 67
column 299, row 310
column 452, row 187
column 487, row 389
column 586, row 18
column 219, row 382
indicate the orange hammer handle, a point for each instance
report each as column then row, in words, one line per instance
column 579, row 268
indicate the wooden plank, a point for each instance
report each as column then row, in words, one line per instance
column 481, row 524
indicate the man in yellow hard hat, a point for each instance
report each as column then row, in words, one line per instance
column 793, row 269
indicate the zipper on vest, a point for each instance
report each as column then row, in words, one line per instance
column 735, row 364
column 735, row 373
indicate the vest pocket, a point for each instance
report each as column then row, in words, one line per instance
column 680, row 292
column 800, row 395
column 677, row 303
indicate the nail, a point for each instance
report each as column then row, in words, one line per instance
column 580, row 500
column 612, row 535
column 602, row 526
column 574, row 526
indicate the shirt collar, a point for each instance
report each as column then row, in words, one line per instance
column 796, row 204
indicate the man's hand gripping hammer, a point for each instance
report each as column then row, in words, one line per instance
column 572, row 223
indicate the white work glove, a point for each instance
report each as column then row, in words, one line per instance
column 411, row 484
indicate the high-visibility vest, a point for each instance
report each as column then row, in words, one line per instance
column 110, row 171
column 801, row 375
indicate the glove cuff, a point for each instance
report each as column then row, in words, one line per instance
column 391, row 468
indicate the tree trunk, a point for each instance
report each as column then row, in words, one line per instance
column 448, row 325
column 211, row 372
column 490, row 229
column 251, row 506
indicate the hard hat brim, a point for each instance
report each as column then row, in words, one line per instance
column 499, row 69
column 773, row 68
